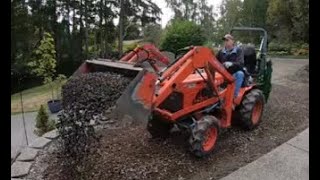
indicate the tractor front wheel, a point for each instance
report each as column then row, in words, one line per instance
column 204, row 136
column 251, row 109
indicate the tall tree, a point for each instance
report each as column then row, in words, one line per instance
column 279, row 19
column 197, row 11
column 231, row 14
column 206, row 19
column 184, row 9
column 121, row 27
column 139, row 13
column 300, row 20
column 254, row 13
column 152, row 33
column 289, row 20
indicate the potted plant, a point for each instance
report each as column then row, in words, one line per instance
column 55, row 104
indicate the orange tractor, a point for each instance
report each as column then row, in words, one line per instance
column 196, row 93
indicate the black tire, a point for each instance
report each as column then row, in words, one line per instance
column 251, row 100
column 198, row 135
column 158, row 128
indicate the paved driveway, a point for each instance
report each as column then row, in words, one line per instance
column 18, row 139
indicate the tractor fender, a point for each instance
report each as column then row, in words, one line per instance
column 243, row 91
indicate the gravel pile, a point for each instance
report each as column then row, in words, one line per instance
column 94, row 92
column 85, row 98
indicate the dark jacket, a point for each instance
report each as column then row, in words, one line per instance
column 235, row 56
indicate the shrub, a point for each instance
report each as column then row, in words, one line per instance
column 181, row 34
column 276, row 46
column 304, row 46
column 43, row 124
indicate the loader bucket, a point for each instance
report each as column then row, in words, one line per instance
column 136, row 101
column 108, row 65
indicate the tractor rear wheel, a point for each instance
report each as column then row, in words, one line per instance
column 204, row 136
column 158, row 128
column 251, row 109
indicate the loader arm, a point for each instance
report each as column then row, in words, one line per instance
column 145, row 52
column 171, row 80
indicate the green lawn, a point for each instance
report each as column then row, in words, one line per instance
column 32, row 98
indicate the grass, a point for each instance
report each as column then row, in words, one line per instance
column 32, row 98
column 129, row 42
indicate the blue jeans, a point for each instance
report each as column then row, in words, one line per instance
column 239, row 76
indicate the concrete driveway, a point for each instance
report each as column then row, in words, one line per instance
column 18, row 139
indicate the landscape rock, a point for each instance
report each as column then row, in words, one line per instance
column 40, row 143
column 28, row 154
column 20, row 169
column 51, row 135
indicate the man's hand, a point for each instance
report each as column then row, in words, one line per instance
column 227, row 64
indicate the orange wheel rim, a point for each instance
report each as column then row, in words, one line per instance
column 256, row 112
column 210, row 139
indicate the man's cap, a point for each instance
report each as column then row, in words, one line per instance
column 228, row 36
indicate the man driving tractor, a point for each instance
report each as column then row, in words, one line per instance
column 232, row 58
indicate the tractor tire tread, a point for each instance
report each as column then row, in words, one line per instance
column 197, row 134
column 246, row 108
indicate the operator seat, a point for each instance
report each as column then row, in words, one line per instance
column 250, row 61
column 250, row 58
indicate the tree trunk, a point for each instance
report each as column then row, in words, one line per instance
column 186, row 15
column 86, row 28
column 70, row 55
column 13, row 37
column 120, row 29
column 52, row 89
column 72, row 34
column 55, row 31
column 68, row 18
column 81, row 30
column 100, row 49
column 74, row 19
column 105, row 34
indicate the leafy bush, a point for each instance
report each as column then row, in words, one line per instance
column 304, row 46
column 181, row 34
column 275, row 46
column 296, row 49
column 300, row 52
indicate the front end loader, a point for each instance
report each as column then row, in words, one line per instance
column 141, row 65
